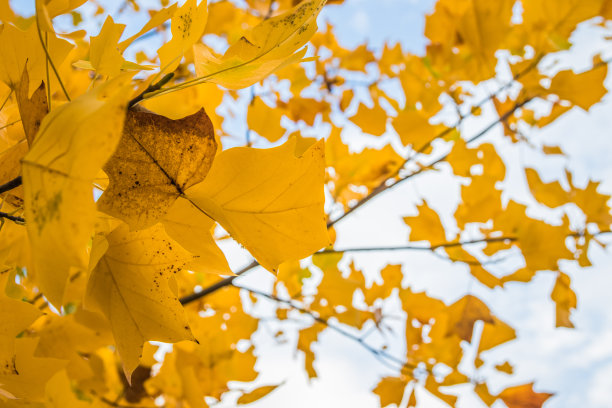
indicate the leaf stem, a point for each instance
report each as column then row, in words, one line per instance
column 6, row 99
column 10, row 124
column 49, row 60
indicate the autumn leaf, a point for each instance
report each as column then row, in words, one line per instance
column 426, row 226
column 256, row 394
column 130, row 285
column 269, row 46
column 72, row 144
column 565, row 300
column 269, row 200
column 105, row 56
column 156, row 161
column 371, row 120
column 26, row 375
column 391, row 390
column 192, row 229
column 584, row 90
column 523, row 396
column 264, row 120
column 188, row 23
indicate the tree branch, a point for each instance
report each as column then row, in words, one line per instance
column 219, row 285
column 381, row 354
column 14, row 183
column 151, row 88
column 416, row 247
column 14, row 218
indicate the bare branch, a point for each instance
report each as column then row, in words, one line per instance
column 14, row 183
column 381, row 354
column 14, row 218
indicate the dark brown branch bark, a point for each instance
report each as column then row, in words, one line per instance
column 14, row 218
column 151, row 88
column 14, row 183
column 219, row 285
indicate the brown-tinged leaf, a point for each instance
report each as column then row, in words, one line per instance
column 156, row 160
column 523, row 396
column 31, row 109
column 10, row 168
column 464, row 313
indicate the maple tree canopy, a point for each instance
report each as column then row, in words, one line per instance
column 124, row 164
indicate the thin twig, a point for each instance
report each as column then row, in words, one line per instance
column 221, row 284
column 151, row 88
column 6, row 99
column 417, row 247
column 10, row 124
column 49, row 60
column 379, row 353
column 14, row 218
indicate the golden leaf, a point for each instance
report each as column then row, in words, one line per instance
column 523, row 396
column 130, row 285
column 73, row 143
column 390, row 390
column 188, row 23
column 269, row 200
column 269, row 46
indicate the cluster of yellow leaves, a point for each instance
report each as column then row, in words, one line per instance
column 125, row 180
column 166, row 187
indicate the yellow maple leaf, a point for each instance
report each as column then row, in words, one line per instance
column 523, row 396
column 22, row 48
column 269, row 46
column 495, row 333
column 269, row 200
column 71, row 146
column 414, row 129
column 265, row 120
column 256, row 394
column 24, row 375
column 390, row 390
column 130, row 285
column 565, row 300
column 584, row 89
column 188, row 23
column 550, row 194
column 506, row 367
column 158, row 18
column 371, row 120
column 192, row 229
column 464, row 313
column 104, row 54
column 426, row 226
